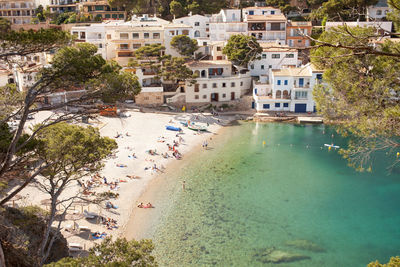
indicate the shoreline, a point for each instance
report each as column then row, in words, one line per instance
column 142, row 222
column 144, row 133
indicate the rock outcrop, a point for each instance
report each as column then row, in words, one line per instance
column 305, row 245
column 273, row 255
column 20, row 236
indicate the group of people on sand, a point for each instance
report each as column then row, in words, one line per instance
column 110, row 223
column 147, row 206
column 121, row 135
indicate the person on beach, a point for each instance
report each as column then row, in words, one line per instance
column 183, row 185
column 140, row 205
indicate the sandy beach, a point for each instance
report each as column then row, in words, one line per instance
column 138, row 133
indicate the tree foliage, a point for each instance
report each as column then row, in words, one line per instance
column 184, row 45
column 5, row 25
column 342, row 9
column 72, row 67
column 283, row 5
column 394, row 262
column 362, row 91
column 177, row 9
column 21, row 43
column 241, row 49
column 109, row 253
column 166, row 67
column 69, row 152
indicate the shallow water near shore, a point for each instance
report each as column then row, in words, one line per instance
column 243, row 198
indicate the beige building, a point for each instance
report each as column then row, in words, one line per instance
column 218, row 81
column 18, row 12
column 102, row 10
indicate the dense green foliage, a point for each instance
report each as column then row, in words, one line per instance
column 71, row 149
column 28, row 42
column 110, row 253
column 80, row 65
column 363, row 91
column 184, row 45
column 241, row 49
column 166, row 67
column 283, row 5
column 168, row 8
column 5, row 25
column 340, row 10
column 394, row 262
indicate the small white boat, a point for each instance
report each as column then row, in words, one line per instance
column 328, row 145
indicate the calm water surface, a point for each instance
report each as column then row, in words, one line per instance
column 243, row 198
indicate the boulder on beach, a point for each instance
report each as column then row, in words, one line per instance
column 305, row 245
column 272, row 255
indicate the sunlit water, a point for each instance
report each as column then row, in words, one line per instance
column 243, row 198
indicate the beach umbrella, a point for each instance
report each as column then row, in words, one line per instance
column 74, row 217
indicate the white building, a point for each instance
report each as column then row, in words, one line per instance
column 19, row 11
column 227, row 15
column 225, row 24
column 378, row 11
column 274, row 56
column 170, row 31
column 6, row 76
column 118, row 40
column 289, row 90
column 260, row 11
column 95, row 34
column 200, row 25
column 267, row 28
column 218, row 81
column 381, row 26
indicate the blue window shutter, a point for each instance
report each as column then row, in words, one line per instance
column 277, row 105
column 265, row 106
column 285, row 105
column 286, row 82
column 279, row 82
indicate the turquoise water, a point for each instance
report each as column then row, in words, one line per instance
column 243, row 198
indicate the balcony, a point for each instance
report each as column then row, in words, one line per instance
column 256, row 27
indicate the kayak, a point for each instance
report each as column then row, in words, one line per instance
column 184, row 123
column 172, row 128
column 328, row 145
column 197, row 127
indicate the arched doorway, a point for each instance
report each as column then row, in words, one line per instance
column 197, row 34
column 278, row 94
column 285, row 94
column 203, row 74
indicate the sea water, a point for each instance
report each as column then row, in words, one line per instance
column 244, row 199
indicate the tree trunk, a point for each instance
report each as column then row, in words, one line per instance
column 41, row 255
column 2, row 259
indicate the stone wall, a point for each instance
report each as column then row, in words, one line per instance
column 150, row 99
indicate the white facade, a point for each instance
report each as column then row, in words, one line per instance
column 273, row 57
column 172, row 30
column 222, row 31
column 93, row 34
column 216, row 82
column 5, row 77
column 381, row 26
column 260, row 11
column 148, row 81
column 200, row 25
column 227, row 15
column 118, row 40
column 378, row 11
column 289, row 90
